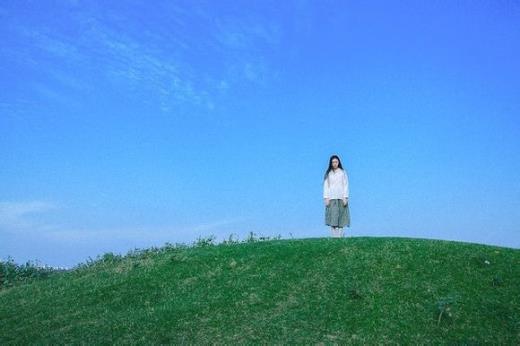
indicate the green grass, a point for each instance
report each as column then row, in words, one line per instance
column 318, row 290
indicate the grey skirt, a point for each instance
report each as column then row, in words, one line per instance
column 336, row 214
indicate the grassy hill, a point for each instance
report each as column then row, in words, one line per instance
column 317, row 290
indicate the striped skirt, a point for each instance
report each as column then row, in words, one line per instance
column 336, row 214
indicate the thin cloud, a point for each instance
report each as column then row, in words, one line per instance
column 155, row 234
column 157, row 61
column 216, row 224
column 16, row 216
column 29, row 218
column 51, row 43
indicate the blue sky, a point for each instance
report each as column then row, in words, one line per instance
column 131, row 124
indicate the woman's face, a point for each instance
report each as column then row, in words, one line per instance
column 335, row 163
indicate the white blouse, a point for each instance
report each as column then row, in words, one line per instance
column 336, row 185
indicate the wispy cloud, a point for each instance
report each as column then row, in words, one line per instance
column 156, row 61
column 216, row 224
column 51, row 43
column 244, row 42
column 30, row 221
column 16, row 216
column 30, row 218
column 246, row 33
column 154, row 234
column 14, row 107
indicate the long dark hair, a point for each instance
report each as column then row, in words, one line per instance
column 330, row 165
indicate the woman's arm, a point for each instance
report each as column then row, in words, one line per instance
column 345, row 185
column 326, row 191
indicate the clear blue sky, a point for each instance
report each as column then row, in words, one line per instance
column 133, row 123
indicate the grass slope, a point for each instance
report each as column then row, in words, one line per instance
column 318, row 290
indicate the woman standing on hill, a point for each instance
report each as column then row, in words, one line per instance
column 335, row 194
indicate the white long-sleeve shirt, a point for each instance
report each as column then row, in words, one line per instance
column 336, row 185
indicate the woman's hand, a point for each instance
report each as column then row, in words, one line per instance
column 326, row 202
column 345, row 201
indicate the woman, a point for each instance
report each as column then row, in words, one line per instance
column 335, row 194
